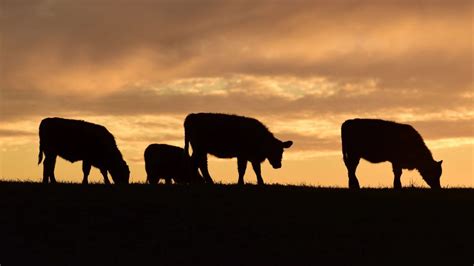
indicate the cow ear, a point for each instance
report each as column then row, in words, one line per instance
column 440, row 162
column 287, row 144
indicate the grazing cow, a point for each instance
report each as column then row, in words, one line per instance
column 76, row 140
column 229, row 136
column 380, row 141
column 169, row 163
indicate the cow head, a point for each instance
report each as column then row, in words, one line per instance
column 275, row 151
column 432, row 174
column 120, row 173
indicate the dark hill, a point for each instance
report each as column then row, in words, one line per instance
column 71, row 224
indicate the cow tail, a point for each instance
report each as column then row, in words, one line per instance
column 343, row 140
column 186, row 140
column 40, row 155
column 186, row 135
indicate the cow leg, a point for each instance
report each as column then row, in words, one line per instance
column 151, row 174
column 258, row 172
column 148, row 173
column 48, row 168
column 397, row 172
column 242, row 166
column 351, row 164
column 52, row 177
column 202, row 163
column 86, row 169
column 104, row 174
column 152, row 179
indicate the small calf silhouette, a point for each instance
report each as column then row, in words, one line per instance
column 77, row 140
column 168, row 162
column 229, row 136
column 379, row 141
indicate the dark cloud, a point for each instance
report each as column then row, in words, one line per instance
column 149, row 102
column 424, row 45
column 158, row 137
column 310, row 142
column 439, row 129
column 380, row 104
column 15, row 133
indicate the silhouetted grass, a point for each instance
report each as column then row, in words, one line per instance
column 71, row 224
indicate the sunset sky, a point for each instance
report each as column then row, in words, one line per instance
column 300, row 67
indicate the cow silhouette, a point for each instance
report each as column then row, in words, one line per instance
column 230, row 136
column 379, row 141
column 169, row 162
column 77, row 140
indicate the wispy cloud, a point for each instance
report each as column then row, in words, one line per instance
column 251, row 96
column 14, row 133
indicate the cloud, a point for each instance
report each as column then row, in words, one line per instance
column 240, row 94
column 311, row 142
column 303, row 67
column 100, row 47
column 439, row 129
column 6, row 133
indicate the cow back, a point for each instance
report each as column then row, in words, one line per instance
column 170, row 162
column 379, row 140
column 226, row 136
column 76, row 140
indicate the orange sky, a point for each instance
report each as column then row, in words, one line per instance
column 301, row 67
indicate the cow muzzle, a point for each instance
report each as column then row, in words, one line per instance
column 276, row 166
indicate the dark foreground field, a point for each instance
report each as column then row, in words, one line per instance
column 71, row 224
